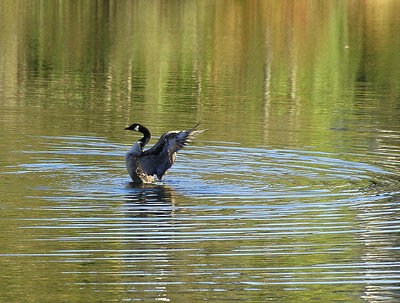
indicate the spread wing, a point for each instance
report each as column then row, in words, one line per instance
column 158, row 159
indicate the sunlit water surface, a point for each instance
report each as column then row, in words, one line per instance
column 228, row 218
column 291, row 195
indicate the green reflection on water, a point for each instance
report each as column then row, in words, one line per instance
column 239, row 65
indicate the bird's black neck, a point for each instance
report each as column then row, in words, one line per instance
column 146, row 135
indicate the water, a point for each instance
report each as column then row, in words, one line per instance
column 291, row 195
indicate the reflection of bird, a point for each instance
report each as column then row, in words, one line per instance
column 142, row 165
column 149, row 200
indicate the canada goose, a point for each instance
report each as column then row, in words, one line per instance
column 143, row 165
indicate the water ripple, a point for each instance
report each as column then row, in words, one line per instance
column 226, row 218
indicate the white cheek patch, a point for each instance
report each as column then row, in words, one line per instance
column 136, row 128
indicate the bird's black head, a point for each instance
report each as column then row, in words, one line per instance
column 140, row 128
column 135, row 127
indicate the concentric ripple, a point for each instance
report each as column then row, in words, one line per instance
column 227, row 220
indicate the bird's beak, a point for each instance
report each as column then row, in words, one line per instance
column 126, row 128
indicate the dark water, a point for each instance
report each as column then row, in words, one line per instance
column 292, row 194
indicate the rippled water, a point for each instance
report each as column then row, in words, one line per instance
column 291, row 195
column 241, row 224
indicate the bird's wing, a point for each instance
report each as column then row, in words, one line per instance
column 158, row 159
column 152, row 159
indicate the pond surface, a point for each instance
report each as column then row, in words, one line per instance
column 291, row 195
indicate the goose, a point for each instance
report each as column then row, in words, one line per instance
column 143, row 165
